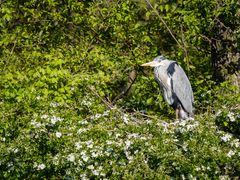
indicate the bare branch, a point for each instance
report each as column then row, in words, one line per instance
column 108, row 104
column 165, row 24
column 131, row 78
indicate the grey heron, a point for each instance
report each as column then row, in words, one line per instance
column 174, row 83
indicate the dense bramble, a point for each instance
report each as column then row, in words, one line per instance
column 62, row 64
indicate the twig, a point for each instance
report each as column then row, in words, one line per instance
column 108, row 104
column 185, row 50
column 131, row 78
column 165, row 24
column 14, row 45
column 222, row 24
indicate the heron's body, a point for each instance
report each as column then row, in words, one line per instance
column 175, row 85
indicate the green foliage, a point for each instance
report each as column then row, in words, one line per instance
column 63, row 62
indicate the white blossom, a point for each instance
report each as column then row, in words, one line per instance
column 231, row 117
column 97, row 116
column 78, row 145
column 45, row 116
column 133, row 135
column 56, row 160
column 89, row 144
column 125, row 118
column 58, row 134
column 54, row 104
column 82, row 130
column 84, row 122
column 55, row 119
column 15, row 150
column 36, row 124
column 85, row 158
column 230, row 153
column 109, row 142
column 94, row 154
column 226, row 137
column 118, row 135
column 71, row 158
column 235, row 143
column 41, row 166
column 218, row 112
column 198, row 168
column 84, row 177
column 91, row 167
column 128, row 143
column 86, row 103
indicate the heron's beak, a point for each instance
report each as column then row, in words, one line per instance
column 152, row 64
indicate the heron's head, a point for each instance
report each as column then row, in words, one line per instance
column 157, row 61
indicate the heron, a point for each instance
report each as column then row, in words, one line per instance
column 174, row 84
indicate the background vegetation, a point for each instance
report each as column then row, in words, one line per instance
column 63, row 63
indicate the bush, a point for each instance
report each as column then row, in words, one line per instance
column 63, row 63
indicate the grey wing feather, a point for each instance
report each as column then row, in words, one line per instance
column 181, row 86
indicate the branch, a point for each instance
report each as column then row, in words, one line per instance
column 108, row 104
column 131, row 78
column 165, row 24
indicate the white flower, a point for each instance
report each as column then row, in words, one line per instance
column 134, row 135
column 125, row 118
column 41, row 166
column 102, row 174
column 53, row 104
column 91, row 167
column 89, row 144
column 45, row 116
column 230, row 153
column 105, row 113
column 183, row 123
column 109, row 142
column 85, row 158
column 55, row 119
column 231, row 116
column 226, row 137
column 71, row 158
column 184, row 146
column 237, row 144
column 203, row 167
column 94, row 154
column 35, row 124
column 95, row 172
column 165, row 126
column 78, row 145
column 118, row 135
column 80, row 162
column 97, row 116
column 81, row 130
column 56, row 160
column 84, row 177
column 128, row 155
column 86, row 103
column 128, row 143
column 15, row 150
column 84, row 122
column 148, row 121
column 58, row 134
column 218, row 113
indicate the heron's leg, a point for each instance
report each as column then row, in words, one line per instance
column 177, row 113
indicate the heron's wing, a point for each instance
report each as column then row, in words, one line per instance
column 181, row 86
